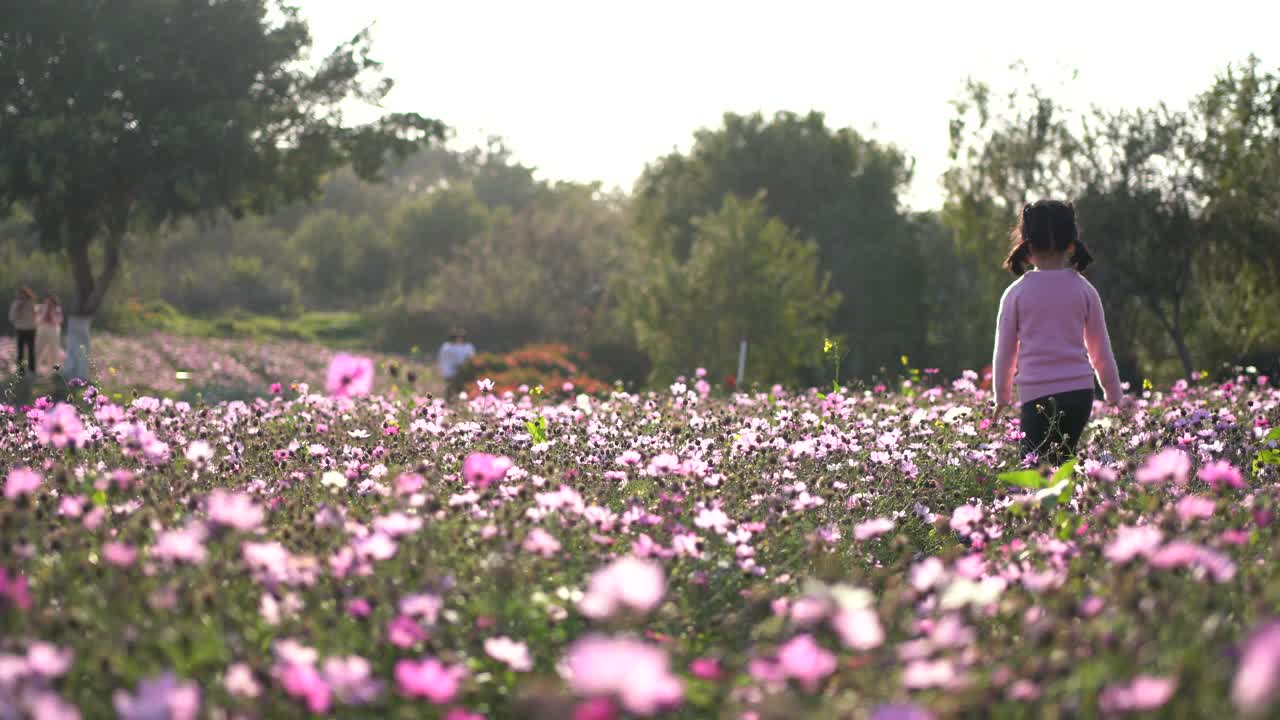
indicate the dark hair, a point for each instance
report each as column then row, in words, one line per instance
column 1047, row 226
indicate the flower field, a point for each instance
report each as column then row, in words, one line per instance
column 151, row 363
column 685, row 553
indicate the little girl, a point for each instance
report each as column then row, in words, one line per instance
column 1052, row 331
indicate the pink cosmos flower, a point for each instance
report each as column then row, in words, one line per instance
column 422, row 605
column 21, row 481
column 480, row 470
column 462, row 714
column 637, row 673
column 234, row 510
column 965, row 517
column 240, row 682
column 60, row 427
column 184, row 545
column 629, row 457
column 199, row 452
column 1194, row 507
column 858, row 628
column 14, row 589
column 409, row 483
column 351, row 680
column 162, row 696
column 1170, row 464
column 429, row 678
column 1222, row 474
column 1257, row 680
column 349, row 376
column 705, row 669
column 1130, row 542
column 1144, row 692
column 404, row 632
column 540, row 542
column 628, row 583
column 509, row 652
column 46, row 705
column 803, row 659
column 872, row 528
column 304, row 682
column 48, row 661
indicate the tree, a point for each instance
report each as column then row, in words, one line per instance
column 830, row 185
column 1128, row 174
column 746, row 276
column 428, row 229
column 548, row 265
column 117, row 114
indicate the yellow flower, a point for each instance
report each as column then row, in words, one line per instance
column 904, row 361
column 827, row 345
column 1146, row 384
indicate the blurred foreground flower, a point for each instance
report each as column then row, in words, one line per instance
column 349, row 376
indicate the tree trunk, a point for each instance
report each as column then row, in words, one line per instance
column 89, row 294
column 1184, row 354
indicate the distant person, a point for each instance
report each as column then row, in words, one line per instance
column 49, row 332
column 454, row 353
column 1051, row 330
column 22, row 316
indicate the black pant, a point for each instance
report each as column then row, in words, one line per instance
column 27, row 342
column 1052, row 424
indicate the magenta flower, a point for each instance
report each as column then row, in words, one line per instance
column 21, row 481
column 430, row 679
column 409, row 483
column 1168, row 465
column 302, row 681
column 1257, row 680
column 234, row 510
column 349, row 376
column 803, row 659
column 481, row 469
column 706, row 669
column 462, row 714
column 637, row 673
column 14, row 589
column 1144, row 692
column 600, row 708
column 628, row 583
column 60, row 427
column 162, row 697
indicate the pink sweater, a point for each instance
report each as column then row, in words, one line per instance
column 1052, row 331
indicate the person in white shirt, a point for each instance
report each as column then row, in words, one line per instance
column 453, row 355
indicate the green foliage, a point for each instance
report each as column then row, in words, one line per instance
column 160, row 111
column 830, row 185
column 746, row 276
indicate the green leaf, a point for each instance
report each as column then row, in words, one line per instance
column 99, row 498
column 1064, row 472
column 1030, row 479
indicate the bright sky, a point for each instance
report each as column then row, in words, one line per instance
column 594, row 89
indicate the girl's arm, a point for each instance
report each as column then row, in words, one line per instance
column 1005, row 358
column 1098, row 342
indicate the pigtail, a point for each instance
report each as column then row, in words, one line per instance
column 1081, row 258
column 1019, row 257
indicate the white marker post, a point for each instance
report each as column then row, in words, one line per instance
column 742, row 361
